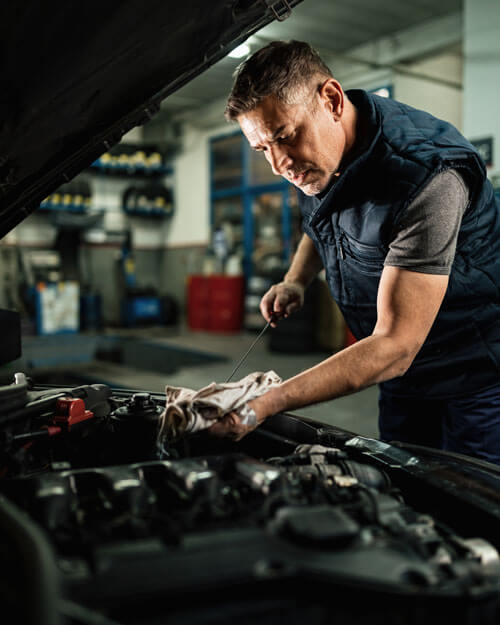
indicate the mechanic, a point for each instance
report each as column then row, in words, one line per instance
column 397, row 209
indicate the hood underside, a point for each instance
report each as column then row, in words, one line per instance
column 76, row 76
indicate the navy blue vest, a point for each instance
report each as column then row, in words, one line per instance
column 354, row 223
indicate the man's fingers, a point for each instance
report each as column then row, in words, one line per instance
column 281, row 299
column 280, row 303
column 225, row 425
column 229, row 426
column 267, row 305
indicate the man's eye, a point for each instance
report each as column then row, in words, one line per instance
column 287, row 138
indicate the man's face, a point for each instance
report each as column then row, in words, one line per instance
column 303, row 142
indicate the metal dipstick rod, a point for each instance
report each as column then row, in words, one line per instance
column 242, row 359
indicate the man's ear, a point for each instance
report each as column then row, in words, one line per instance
column 332, row 96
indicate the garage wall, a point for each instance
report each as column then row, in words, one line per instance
column 189, row 232
column 166, row 251
column 438, row 98
column 482, row 73
column 190, row 223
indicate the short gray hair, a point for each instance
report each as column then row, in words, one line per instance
column 282, row 69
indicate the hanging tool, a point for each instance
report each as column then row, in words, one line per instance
column 242, row 359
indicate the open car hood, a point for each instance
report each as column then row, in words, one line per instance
column 76, row 76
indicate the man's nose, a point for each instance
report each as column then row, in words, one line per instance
column 279, row 159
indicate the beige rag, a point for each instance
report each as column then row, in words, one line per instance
column 190, row 411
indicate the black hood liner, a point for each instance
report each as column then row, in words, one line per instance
column 76, row 75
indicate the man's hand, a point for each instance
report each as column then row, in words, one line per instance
column 230, row 426
column 281, row 300
column 288, row 296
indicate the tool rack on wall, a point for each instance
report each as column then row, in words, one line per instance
column 149, row 192
column 143, row 184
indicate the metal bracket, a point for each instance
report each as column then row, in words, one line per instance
column 280, row 8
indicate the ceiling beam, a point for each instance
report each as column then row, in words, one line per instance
column 405, row 45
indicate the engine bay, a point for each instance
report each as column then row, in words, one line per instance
column 296, row 521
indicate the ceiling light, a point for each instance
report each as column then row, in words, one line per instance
column 240, row 51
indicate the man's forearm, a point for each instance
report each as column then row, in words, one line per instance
column 374, row 359
column 407, row 305
column 306, row 263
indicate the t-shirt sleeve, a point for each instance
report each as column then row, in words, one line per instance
column 427, row 233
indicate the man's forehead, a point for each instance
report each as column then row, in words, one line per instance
column 268, row 118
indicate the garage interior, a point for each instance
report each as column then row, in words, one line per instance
column 147, row 268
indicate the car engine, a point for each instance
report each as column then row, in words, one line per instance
column 297, row 523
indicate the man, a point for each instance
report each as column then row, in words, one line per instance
column 397, row 208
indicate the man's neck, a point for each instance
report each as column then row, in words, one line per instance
column 355, row 133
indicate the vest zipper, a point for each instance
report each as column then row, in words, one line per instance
column 341, row 250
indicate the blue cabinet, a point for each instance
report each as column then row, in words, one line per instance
column 258, row 210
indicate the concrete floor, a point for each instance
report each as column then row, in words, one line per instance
column 357, row 413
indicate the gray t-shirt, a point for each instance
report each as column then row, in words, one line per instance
column 427, row 236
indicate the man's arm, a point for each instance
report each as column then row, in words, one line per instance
column 288, row 296
column 407, row 305
column 411, row 290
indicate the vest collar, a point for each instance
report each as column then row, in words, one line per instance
column 365, row 105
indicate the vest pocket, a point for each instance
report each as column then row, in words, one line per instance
column 360, row 268
column 363, row 258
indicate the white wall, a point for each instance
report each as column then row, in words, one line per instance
column 383, row 61
column 36, row 230
column 367, row 80
column 482, row 74
column 439, row 99
column 191, row 222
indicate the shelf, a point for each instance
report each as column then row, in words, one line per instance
column 125, row 172
column 75, row 219
column 54, row 208
column 154, row 212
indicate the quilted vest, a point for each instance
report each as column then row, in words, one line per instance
column 354, row 223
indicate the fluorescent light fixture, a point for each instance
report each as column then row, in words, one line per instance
column 240, row 51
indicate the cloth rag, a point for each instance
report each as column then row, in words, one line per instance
column 188, row 410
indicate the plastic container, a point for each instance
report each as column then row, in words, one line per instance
column 234, row 265
column 226, row 303
column 215, row 303
column 198, row 290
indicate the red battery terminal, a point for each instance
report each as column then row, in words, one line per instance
column 70, row 411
